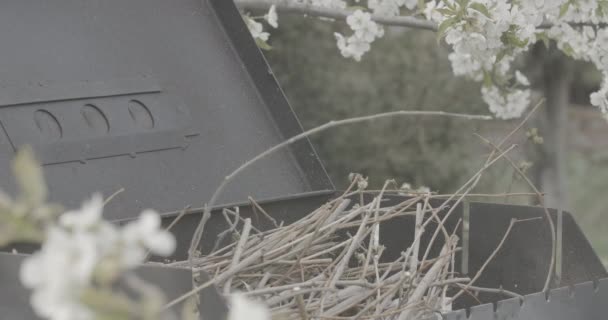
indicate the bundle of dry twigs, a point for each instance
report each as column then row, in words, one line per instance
column 327, row 264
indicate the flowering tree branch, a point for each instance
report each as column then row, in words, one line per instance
column 308, row 9
column 286, row 6
column 486, row 36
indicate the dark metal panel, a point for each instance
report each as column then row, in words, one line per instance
column 481, row 312
column 584, row 301
column 284, row 210
column 489, row 222
column 523, row 261
column 520, row 266
column 508, row 309
column 267, row 85
column 161, row 97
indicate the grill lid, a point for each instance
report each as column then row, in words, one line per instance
column 160, row 97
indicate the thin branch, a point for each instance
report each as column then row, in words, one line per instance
column 220, row 278
column 113, row 195
column 331, row 124
column 492, row 255
column 429, row 278
column 546, row 211
column 492, row 290
column 238, row 250
column 178, row 218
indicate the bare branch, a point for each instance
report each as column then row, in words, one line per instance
column 196, row 238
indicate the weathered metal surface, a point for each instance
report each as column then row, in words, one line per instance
column 584, row 301
column 521, row 265
column 161, row 97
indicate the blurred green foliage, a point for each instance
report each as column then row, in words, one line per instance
column 416, row 75
column 588, row 184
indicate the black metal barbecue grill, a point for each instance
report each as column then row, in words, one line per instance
column 166, row 97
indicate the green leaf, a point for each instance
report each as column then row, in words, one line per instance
column 602, row 7
column 190, row 308
column 518, row 42
column 567, row 49
column 446, row 11
column 421, row 5
column 450, row 5
column 480, row 8
column 544, row 38
column 444, row 26
column 487, row 79
column 563, row 9
column 462, row 3
column 501, row 55
column 263, row 44
column 107, row 304
column 509, row 38
column 29, row 177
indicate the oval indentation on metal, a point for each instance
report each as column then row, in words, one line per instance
column 141, row 115
column 47, row 124
column 95, row 119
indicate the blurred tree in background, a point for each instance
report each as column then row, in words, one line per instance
column 408, row 69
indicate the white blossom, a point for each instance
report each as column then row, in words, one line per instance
column 406, row 186
column 256, row 29
column 430, row 10
column 506, row 105
column 271, row 17
column 81, row 241
column 242, row 308
column 423, row 189
column 479, row 39
column 485, row 37
column 365, row 31
column 146, row 233
column 358, row 20
column 87, row 217
column 58, row 273
column 330, row 4
column 362, row 183
column 600, row 98
column 521, row 79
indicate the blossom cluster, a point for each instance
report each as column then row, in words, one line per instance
column 486, row 36
column 330, row 4
column 243, row 308
column 80, row 250
column 257, row 29
column 365, row 31
column 390, row 7
column 577, row 33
